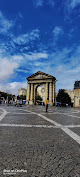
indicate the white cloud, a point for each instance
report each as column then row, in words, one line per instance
column 20, row 15
column 25, row 38
column 38, row 3
column 74, row 3
column 6, row 68
column 71, row 4
column 5, row 24
column 13, row 87
column 22, row 39
column 57, row 31
column 64, row 65
column 36, row 56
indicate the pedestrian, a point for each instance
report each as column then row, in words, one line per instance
column 20, row 103
column 17, row 102
column 46, row 102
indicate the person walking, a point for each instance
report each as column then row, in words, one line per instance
column 46, row 102
column 20, row 103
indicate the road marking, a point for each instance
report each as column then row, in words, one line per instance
column 63, row 114
column 18, row 113
column 72, row 134
column 39, row 126
column 3, row 114
column 66, row 130
column 25, row 125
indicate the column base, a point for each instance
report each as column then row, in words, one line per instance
column 31, row 102
column 51, row 103
column 27, row 102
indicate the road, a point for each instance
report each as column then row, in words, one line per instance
column 34, row 143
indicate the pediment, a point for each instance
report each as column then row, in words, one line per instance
column 40, row 75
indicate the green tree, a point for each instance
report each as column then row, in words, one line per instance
column 63, row 97
column 5, row 95
column 38, row 97
column 23, row 97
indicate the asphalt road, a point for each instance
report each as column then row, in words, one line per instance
column 34, row 143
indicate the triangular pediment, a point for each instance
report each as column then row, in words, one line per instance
column 40, row 75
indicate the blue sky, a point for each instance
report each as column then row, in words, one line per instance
column 39, row 35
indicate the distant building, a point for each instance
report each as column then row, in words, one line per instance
column 71, row 95
column 22, row 91
column 77, row 94
column 77, row 85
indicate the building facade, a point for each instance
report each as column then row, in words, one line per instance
column 37, row 79
column 71, row 95
column 77, row 94
column 22, row 91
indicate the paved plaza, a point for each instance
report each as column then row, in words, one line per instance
column 34, row 143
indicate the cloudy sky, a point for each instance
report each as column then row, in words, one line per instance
column 39, row 35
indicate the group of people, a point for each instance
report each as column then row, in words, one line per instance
column 19, row 103
column 16, row 103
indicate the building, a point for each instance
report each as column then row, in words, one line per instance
column 38, row 79
column 77, row 94
column 22, row 91
column 71, row 95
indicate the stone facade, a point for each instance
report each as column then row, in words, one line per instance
column 22, row 91
column 37, row 79
column 71, row 95
column 77, row 94
column 77, row 97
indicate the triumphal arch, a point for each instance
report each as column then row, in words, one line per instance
column 37, row 79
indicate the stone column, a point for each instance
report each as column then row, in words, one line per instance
column 46, row 94
column 34, row 95
column 31, row 95
column 28, row 93
column 51, row 94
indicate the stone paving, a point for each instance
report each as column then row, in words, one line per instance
column 41, row 151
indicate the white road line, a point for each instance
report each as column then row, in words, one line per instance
column 72, row 134
column 18, row 113
column 72, row 126
column 66, row 130
column 3, row 114
column 25, row 125
column 39, row 126
column 63, row 114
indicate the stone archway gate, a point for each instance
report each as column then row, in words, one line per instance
column 37, row 79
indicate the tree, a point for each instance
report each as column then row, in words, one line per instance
column 5, row 95
column 63, row 97
column 38, row 97
column 23, row 97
